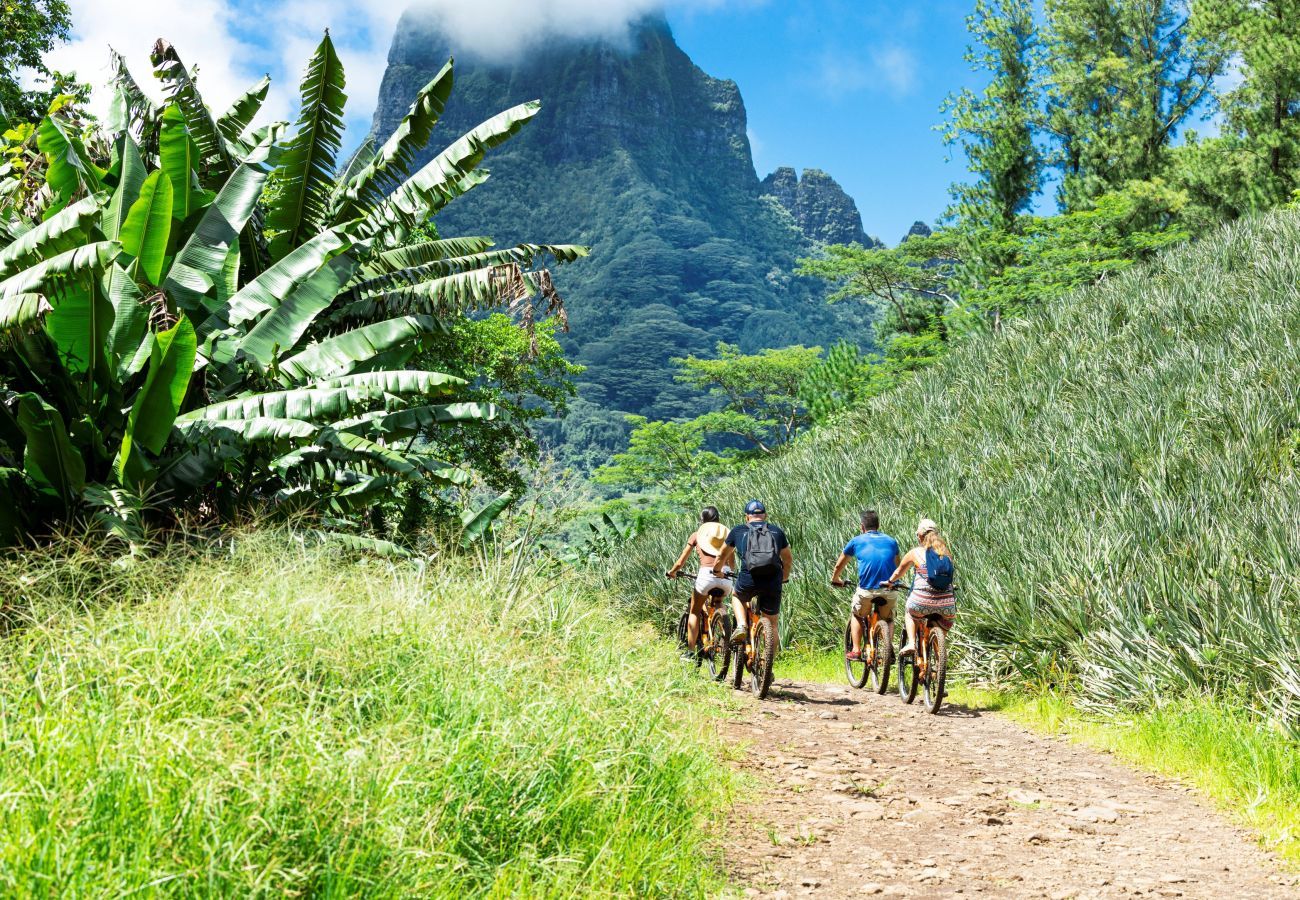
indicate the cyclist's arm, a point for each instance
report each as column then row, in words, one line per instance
column 839, row 566
column 787, row 564
column 681, row 560
column 905, row 566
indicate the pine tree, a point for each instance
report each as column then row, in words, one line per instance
column 1263, row 110
column 995, row 129
column 1122, row 77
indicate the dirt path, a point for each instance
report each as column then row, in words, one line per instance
column 857, row 794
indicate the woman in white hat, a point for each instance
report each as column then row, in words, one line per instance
column 708, row 542
column 926, row 599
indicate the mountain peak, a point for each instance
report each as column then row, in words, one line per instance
column 820, row 207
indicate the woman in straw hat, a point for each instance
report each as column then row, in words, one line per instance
column 708, row 542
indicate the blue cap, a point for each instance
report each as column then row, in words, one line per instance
column 754, row 507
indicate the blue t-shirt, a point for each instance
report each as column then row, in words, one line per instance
column 877, row 555
column 739, row 537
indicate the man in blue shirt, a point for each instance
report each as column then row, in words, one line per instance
column 877, row 556
column 766, row 583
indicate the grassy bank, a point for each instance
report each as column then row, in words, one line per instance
column 1119, row 476
column 267, row 719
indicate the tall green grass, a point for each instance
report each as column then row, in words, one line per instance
column 265, row 719
column 1117, row 474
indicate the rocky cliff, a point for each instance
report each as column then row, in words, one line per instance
column 644, row 157
column 821, row 209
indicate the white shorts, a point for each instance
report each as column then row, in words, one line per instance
column 706, row 581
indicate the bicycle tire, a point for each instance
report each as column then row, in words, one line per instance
column 882, row 643
column 764, row 657
column 740, row 662
column 854, row 670
column 935, row 684
column 909, row 677
column 719, row 652
column 682, row 624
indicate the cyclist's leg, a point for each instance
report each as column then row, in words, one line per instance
column 769, row 604
column 739, row 598
column 693, row 621
column 911, row 634
column 855, row 623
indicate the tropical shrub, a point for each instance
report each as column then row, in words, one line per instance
column 201, row 312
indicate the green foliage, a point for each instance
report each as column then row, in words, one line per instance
column 995, row 130
column 1115, row 473
column 177, row 330
column 668, row 456
column 278, row 719
column 29, row 29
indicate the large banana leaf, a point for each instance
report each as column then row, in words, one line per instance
column 363, row 189
column 179, row 157
column 49, row 458
column 315, row 404
column 79, row 325
column 281, row 329
column 407, row 422
column 399, row 382
column 58, row 273
column 199, row 264
column 129, row 340
column 406, row 464
column 268, row 290
column 523, row 254
column 70, row 166
column 475, row 526
column 445, row 177
column 235, row 121
column 148, row 226
column 306, row 172
column 131, row 176
column 361, row 158
column 342, row 354
column 259, row 429
column 425, row 252
column 477, row 289
column 171, row 363
column 181, row 90
column 60, row 233
column 135, row 105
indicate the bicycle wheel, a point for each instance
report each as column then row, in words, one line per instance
column 682, row 624
column 909, row 677
column 739, row 663
column 719, row 646
column 764, row 657
column 882, row 656
column 854, row 669
column 937, row 650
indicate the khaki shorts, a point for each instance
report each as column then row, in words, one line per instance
column 864, row 600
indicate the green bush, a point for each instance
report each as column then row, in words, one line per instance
column 265, row 719
column 1117, row 474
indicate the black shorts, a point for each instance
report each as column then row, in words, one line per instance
column 768, row 594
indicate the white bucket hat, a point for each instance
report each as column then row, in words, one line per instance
column 924, row 527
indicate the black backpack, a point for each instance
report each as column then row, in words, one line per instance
column 761, row 555
column 938, row 570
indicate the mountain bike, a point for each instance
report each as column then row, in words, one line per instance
column 877, row 654
column 714, row 643
column 756, row 654
column 927, row 668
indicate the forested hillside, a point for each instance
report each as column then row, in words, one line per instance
column 642, row 156
column 1119, row 475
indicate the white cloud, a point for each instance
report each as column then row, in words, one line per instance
column 896, row 67
column 888, row 68
column 234, row 42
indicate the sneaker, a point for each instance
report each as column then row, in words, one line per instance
column 854, row 655
column 908, row 650
column 738, row 636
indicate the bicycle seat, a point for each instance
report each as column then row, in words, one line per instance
column 717, row 593
column 934, row 620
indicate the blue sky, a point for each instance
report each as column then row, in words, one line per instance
column 849, row 86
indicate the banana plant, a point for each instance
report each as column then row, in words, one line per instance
column 213, row 315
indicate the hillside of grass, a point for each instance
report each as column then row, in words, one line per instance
column 1117, row 475
column 260, row 718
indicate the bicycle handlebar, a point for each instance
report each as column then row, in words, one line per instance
column 729, row 576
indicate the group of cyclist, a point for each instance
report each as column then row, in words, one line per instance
column 766, row 564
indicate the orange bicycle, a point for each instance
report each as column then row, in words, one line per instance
column 927, row 668
column 877, row 654
column 714, row 643
column 756, row 654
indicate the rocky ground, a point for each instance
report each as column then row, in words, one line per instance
column 858, row 794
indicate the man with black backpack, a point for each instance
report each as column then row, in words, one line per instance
column 765, row 565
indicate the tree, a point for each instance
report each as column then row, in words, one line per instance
column 1263, row 110
column 165, row 339
column 759, row 394
column 664, row 456
column 28, row 30
column 1122, row 77
column 995, row 129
